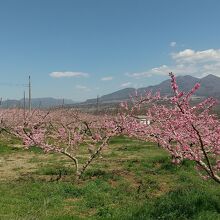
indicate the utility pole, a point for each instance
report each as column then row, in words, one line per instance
column 29, row 85
column 40, row 103
column 24, row 104
column 97, row 104
column 63, row 103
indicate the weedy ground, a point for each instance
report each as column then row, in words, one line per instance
column 130, row 180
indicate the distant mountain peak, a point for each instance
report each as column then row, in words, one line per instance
column 211, row 76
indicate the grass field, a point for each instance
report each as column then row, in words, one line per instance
column 132, row 180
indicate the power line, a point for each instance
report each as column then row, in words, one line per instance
column 13, row 84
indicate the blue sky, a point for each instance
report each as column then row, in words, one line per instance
column 81, row 48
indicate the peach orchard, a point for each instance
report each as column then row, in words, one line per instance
column 187, row 132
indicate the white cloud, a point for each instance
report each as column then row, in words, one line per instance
column 80, row 87
column 191, row 56
column 107, row 78
column 161, row 70
column 68, row 74
column 173, row 44
column 138, row 74
column 187, row 62
column 125, row 84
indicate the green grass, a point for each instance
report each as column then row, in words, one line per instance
column 133, row 180
column 5, row 149
column 187, row 203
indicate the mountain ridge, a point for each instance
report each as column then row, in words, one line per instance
column 45, row 102
column 210, row 87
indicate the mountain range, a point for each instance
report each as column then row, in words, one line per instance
column 37, row 102
column 210, row 87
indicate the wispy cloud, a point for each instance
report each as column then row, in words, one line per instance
column 161, row 70
column 107, row 78
column 173, row 44
column 68, row 74
column 84, row 88
column 126, row 84
column 188, row 61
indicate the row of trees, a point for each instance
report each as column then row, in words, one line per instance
column 185, row 131
column 61, row 131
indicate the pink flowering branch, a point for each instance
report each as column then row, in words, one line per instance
column 186, row 131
